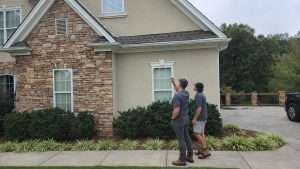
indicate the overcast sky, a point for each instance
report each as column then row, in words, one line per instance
column 266, row 16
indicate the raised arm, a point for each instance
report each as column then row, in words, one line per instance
column 173, row 81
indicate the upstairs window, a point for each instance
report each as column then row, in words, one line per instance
column 61, row 26
column 112, row 7
column 10, row 19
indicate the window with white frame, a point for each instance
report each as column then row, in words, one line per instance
column 9, row 22
column 112, row 7
column 63, row 89
column 162, row 87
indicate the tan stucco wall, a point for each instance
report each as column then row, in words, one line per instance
column 134, row 74
column 144, row 17
column 25, row 5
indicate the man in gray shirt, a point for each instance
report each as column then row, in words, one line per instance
column 180, row 122
column 199, row 121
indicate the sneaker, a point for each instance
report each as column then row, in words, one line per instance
column 204, row 155
column 190, row 159
column 179, row 163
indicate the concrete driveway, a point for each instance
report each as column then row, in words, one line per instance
column 270, row 119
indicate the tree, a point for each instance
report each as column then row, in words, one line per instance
column 247, row 63
column 286, row 70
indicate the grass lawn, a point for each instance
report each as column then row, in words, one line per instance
column 98, row 168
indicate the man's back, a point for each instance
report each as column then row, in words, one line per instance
column 182, row 100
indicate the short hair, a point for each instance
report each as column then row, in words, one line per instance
column 183, row 83
column 199, row 87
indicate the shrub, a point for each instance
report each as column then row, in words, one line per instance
column 267, row 141
column 237, row 143
column 128, row 145
column 231, row 129
column 16, row 126
column 86, row 125
column 214, row 143
column 48, row 124
column 106, row 145
column 130, row 123
column 51, row 124
column 154, row 122
column 157, row 121
column 154, row 144
column 84, row 146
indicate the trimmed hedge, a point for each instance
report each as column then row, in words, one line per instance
column 154, row 122
column 48, row 124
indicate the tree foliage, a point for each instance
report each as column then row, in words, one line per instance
column 286, row 69
column 247, row 63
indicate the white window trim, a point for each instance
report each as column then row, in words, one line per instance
column 5, row 9
column 162, row 64
column 66, row 20
column 111, row 14
column 71, row 92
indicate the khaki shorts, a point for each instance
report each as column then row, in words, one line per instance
column 199, row 127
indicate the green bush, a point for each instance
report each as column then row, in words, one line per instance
column 237, row 143
column 267, row 141
column 128, row 145
column 154, row 122
column 48, row 124
column 232, row 129
column 154, row 144
column 86, row 125
column 16, row 126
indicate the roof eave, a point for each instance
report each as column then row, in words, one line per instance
column 219, row 43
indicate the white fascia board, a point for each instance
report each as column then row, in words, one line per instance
column 89, row 20
column 218, row 43
column 30, row 22
column 188, row 7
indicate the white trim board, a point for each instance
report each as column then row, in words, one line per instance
column 40, row 10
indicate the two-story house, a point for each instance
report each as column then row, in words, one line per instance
column 105, row 56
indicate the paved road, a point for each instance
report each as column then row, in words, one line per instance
column 270, row 119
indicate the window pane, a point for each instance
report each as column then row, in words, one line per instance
column 12, row 18
column 62, row 81
column 10, row 32
column 163, row 96
column 162, row 78
column 165, row 73
column 63, row 101
column 112, row 6
column 1, row 37
column 1, row 20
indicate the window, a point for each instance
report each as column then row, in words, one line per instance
column 112, row 7
column 9, row 22
column 61, row 26
column 162, row 87
column 7, row 93
column 63, row 89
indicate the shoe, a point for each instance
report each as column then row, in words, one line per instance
column 190, row 159
column 179, row 163
column 204, row 156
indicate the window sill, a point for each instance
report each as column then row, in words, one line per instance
column 113, row 15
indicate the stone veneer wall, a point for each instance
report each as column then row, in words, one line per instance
column 92, row 72
column 7, row 68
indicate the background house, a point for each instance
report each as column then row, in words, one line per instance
column 105, row 56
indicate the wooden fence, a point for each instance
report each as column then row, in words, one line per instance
column 253, row 99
